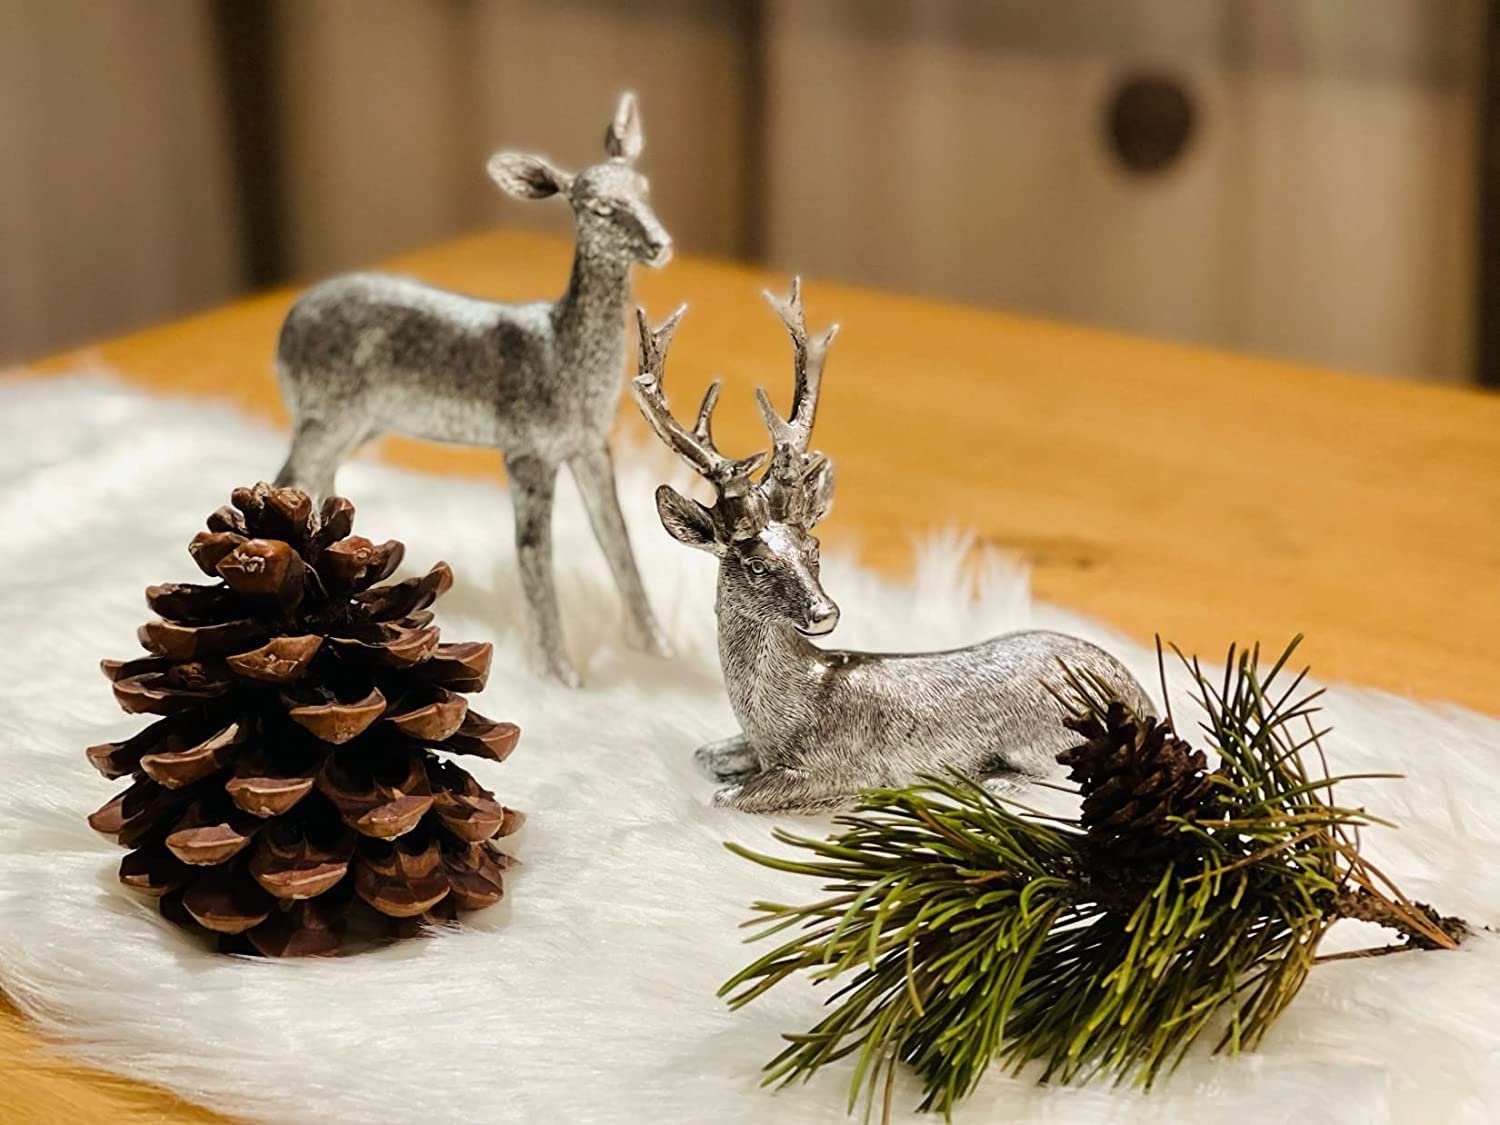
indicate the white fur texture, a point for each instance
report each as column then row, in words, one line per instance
column 589, row 994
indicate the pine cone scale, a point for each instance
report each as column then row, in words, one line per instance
column 153, row 871
column 154, row 694
column 209, row 845
column 296, row 867
column 394, row 645
column 260, row 792
column 184, row 603
column 263, row 568
column 307, row 929
column 208, row 547
column 384, row 798
column 117, row 759
column 135, row 813
column 468, row 810
column 400, row 883
column 199, row 642
column 337, row 722
column 281, row 660
column 174, row 765
column 388, row 603
column 227, row 903
column 475, row 875
column 482, row 738
column 460, row 667
column 433, row 721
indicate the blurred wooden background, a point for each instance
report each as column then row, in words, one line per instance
column 1322, row 204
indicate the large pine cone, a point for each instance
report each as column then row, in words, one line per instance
column 1134, row 774
column 290, row 779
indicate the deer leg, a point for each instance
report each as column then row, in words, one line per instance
column 318, row 449
column 532, row 481
column 728, row 759
column 781, row 790
column 594, row 473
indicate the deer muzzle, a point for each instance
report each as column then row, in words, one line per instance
column 661, row 253
column 821, row 619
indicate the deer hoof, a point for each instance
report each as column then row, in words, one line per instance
column 566, row 675
column 556, row 668
column 653, row 642
column 724, row 798
column 727, row 765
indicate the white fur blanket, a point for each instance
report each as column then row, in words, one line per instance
column 589, row 994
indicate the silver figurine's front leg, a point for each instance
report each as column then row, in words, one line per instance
column 532, row 482
column 595, row 475
column 318, row 449
column 728, row 759
column 782, row 790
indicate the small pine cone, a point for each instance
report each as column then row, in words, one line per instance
column 1134, row 775
column 289, row 782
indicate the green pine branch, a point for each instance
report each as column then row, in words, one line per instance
column 960, row 929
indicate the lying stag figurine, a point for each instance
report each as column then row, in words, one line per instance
column 366, row 354
column 819, row 725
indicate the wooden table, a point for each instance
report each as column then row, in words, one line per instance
column 1208, row 497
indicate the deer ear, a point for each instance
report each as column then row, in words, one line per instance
column 527, row 177
column 623, row 140
column 819, row 491
column 686, row 520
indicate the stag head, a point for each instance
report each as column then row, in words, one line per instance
column 761, row 531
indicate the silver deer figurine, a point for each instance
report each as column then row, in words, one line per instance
column 819, row 725
column 366, row 354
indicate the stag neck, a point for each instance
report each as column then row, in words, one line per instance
column 768, row 666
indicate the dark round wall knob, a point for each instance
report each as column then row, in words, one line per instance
column 1150, row 122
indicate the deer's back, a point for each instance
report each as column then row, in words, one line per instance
column 416, row 359
column 981, row 709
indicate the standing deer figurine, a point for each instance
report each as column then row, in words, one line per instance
column 366, row 354
column 819, row 725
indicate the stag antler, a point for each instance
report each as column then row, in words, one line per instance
column 730, row 477
column 798, row 484
column 791, row 463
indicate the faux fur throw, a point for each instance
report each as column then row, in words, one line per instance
column 588, row 995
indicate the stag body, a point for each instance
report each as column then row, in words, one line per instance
column 819, row 725
column 366, row 354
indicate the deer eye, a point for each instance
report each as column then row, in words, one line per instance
column 757, row 567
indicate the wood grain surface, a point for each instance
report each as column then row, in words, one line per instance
column 1164, row 489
